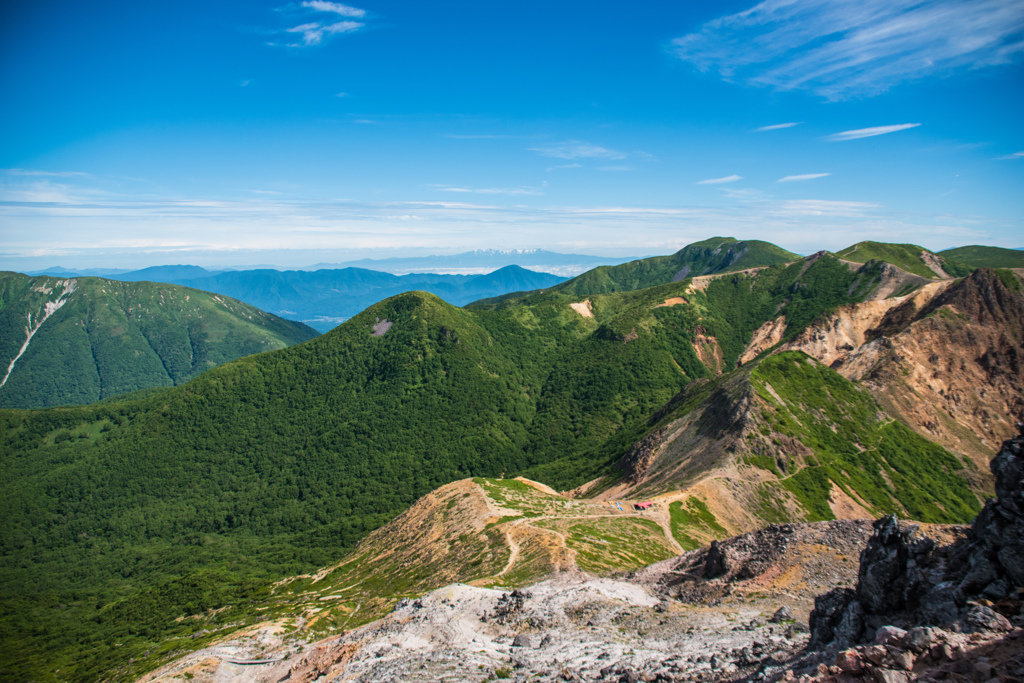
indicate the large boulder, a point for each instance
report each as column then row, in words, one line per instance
column 905, row 578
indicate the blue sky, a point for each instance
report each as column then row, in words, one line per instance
column 134, row 134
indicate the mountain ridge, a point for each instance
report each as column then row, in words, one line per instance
column 281, row 462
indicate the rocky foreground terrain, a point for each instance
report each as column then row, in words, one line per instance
column 789, row 602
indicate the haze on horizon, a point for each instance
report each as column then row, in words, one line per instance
column 313, row 131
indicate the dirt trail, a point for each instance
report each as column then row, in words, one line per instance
column 513, row 555
column 659, row 516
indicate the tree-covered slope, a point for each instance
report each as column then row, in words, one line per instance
column 909, row 257
column 75, row 341
column 977, row 256
column 280, row 462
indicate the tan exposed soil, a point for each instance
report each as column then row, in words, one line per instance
column 765, row 337
column 845, row 506
column 584, row 308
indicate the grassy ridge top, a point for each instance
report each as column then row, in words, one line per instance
column 103, row 337
column 910, row 257
column 977, row 256
column 715, row 255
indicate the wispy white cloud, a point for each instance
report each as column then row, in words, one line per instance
column 491, row 190
column 578, row 150
column 805, row 176
column 553, row 168
column 336, row 7
column 824, row 207
column 870, row 132
column 55, row 174
column 718, row 181
column 845, row 48
column 777, row 126
column 1015, row 155
column 43, row 218
column 313, row 33
column 342, row 94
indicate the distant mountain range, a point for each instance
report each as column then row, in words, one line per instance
column 475, row 262
column 324, row 298
column 483, row 260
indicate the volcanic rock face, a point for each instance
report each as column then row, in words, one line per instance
column 905, row 580
column 948, row 359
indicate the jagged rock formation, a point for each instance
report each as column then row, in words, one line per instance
column 905, row 580
column 928, row 612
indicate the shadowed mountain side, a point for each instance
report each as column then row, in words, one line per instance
column 788, row 439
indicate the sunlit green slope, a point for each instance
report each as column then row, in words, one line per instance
column 909, row 257
column 715, row 255
column 977, row 256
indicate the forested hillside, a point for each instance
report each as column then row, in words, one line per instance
column 281, row 461
column 79, row 340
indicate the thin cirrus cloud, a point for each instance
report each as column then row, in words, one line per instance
column 804, row 176
column 335, row 7
column 870, row 132
column 848, row 48
column 718, row 181
column 578, row 150
column 777, row 126
column 1015, row 155
column 314, row 32
column 492, row 190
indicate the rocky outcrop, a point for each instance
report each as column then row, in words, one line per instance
column 948, row 360
column 906, row 580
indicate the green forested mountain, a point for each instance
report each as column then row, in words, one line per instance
column 78, row 340
column 279, row 462
column 715, row 255
column 909, row 257
column 977, row 256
